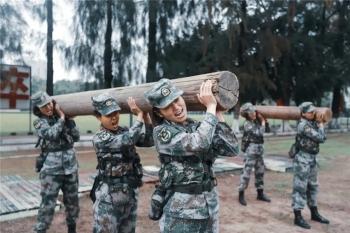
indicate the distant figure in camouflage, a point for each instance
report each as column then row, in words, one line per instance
column 310, row 134
column 115, row 190
column 58, row 167
column 253, row 148
column 187, row 149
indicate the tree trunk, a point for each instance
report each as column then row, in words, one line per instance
column 108, row 77
column 151, row 75
column 290, row 112
column 242, row 43
column 225, row 89
column 49, row 49
column 336, row 100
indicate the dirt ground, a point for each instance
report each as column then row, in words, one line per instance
column 256, row 217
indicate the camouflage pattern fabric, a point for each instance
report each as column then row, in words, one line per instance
column 60, row 170
column 50, row 187
column 305, row 183
column 192, row 212
column 253, row 155
column 58, row 137
column 116, row 202
column 115, row 209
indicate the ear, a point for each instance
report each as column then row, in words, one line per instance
column 159, row 114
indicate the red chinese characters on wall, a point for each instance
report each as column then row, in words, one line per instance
column 14, row 87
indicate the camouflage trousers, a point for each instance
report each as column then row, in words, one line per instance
column 305, row 184
column 115, row 209
column 169, row 224
column 251, row 161
column 189, row 218
column 50, row 186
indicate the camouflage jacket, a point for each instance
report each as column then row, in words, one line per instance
column 56, row 141
column 206, row 141
column 109, row 146
column 309, row 136
column 253, row 138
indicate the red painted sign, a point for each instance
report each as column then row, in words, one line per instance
column 14, row 87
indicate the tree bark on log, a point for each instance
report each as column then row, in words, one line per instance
column 225, row 89
column 291, row 112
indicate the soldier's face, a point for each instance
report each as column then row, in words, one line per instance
column 309, row 115
column 252, row 115
column 110, row 121
column 176, row 111
column 47, row 109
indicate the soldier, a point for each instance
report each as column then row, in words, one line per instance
column 187, row 150
column 253, row 148
column 310, row 133
column 115, row 190
column 57, row 163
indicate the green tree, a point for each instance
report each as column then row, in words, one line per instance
column 96, row 23
column 12, row 28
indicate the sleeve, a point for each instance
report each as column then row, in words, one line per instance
column 135, row 131
column 73, row 130
column 317, row 135
column 253, row 129
column 146, row 139
column 181, row 142
column 48, row 132
column 225, row 142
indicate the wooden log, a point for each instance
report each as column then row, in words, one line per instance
column 291, row 112
column 226, row 90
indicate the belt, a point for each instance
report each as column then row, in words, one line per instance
column 195, row 188
column 115, row 179
column 130, row 181
column 57, row 149
column 164, row 158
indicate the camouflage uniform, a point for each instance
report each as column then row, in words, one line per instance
column 187, row 153
column 254, row 154
column 305, row 184
column 119, row 172
column 60, row 169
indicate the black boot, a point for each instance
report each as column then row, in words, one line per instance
column 241, row 198
column 72, row 228
column 262, row 197
column 316, row 216
column 299, row 220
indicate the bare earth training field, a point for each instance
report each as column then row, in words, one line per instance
column 259, row 217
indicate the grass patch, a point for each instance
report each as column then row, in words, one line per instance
column 20, row 122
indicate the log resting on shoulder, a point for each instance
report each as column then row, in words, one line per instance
column 291, row 112
column 226, row 91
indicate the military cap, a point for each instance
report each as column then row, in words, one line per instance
column 40, row 99
column 105, row 104
column 247, row 107
column 162, row 93
column 307, row 107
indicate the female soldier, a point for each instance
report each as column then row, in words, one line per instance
column 253, row 147
column 310, row 133
column 58, row 167
column 187, row 150
column 119, row 167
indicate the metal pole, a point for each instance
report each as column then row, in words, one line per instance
column 130, row 120
column 30, row 102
